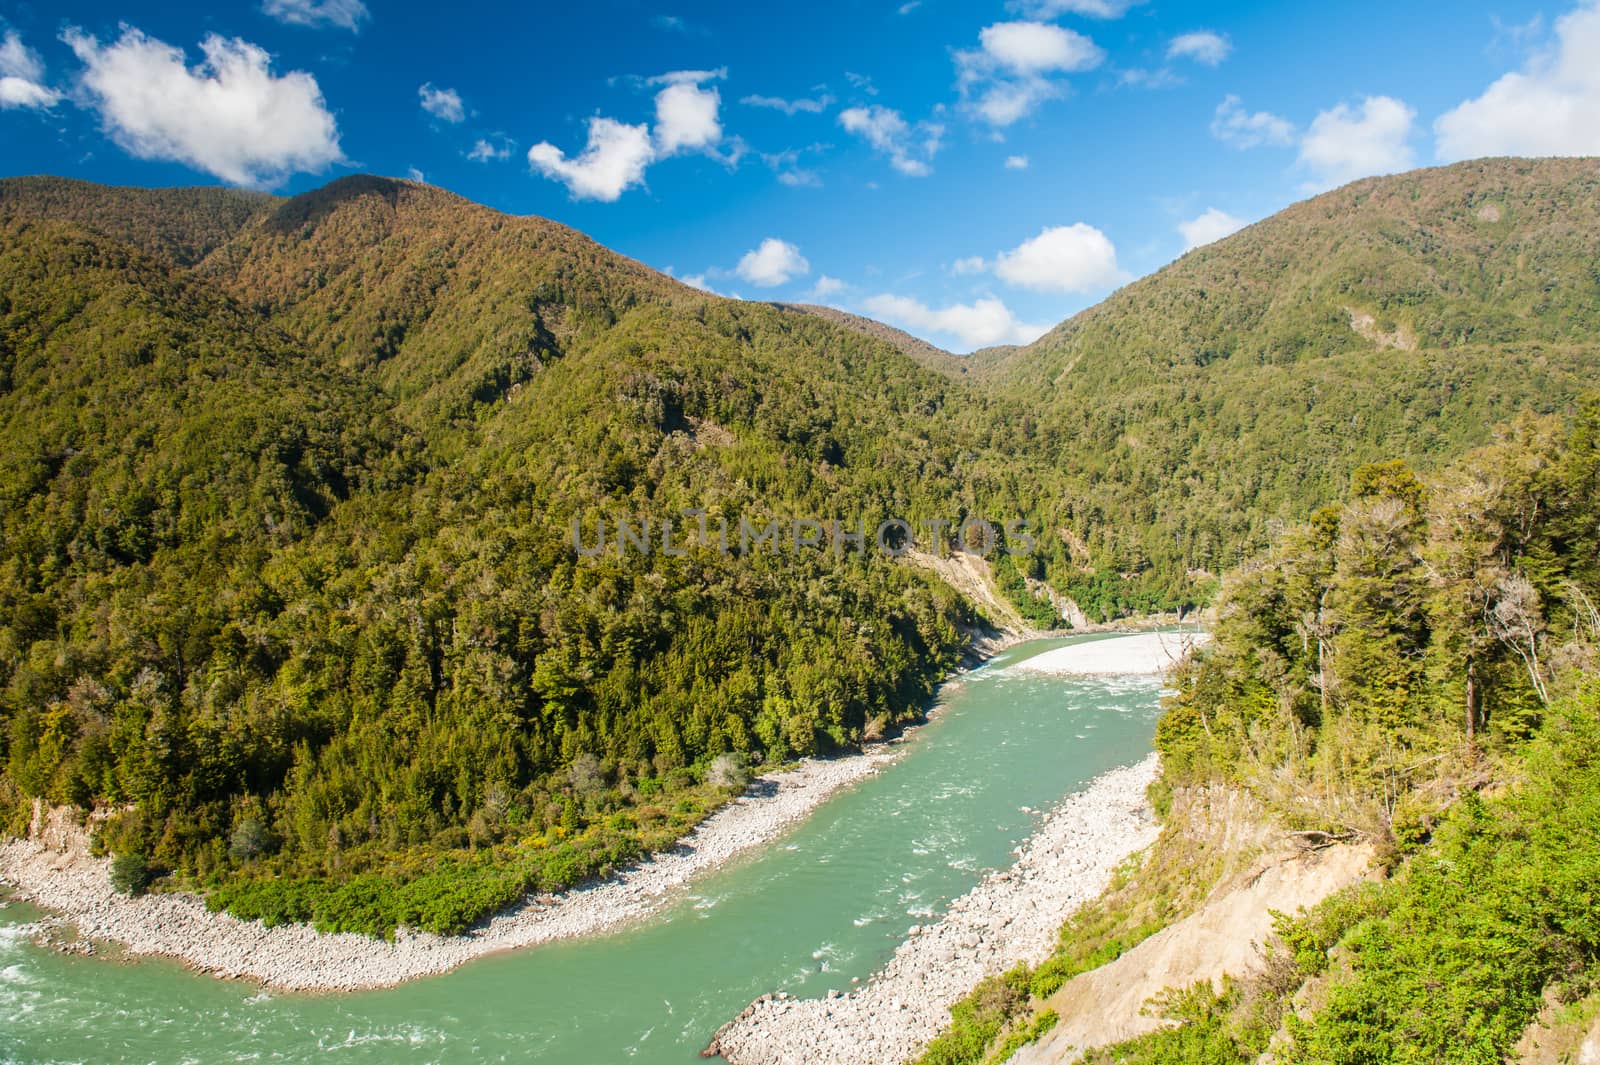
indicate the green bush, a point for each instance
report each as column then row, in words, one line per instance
column 131, row 873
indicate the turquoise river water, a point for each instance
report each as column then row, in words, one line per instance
column 828, row 901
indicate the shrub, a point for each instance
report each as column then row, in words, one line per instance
column 130, row 873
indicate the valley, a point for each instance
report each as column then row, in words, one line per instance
column 305, row 679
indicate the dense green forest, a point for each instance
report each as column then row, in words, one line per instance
column 1197, row 411
column 1418, row 667
column 289, row 579
column 287, row 583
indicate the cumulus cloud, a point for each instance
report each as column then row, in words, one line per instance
column 22, row 76
column 774, row 262
column 613, row 160
column 617, row 154
column 1548, row 108
column 1015, row 65
column 1235, row 126
column 1075, row 258
column 810, row 105
column 1091, row 8
column 229, row 116
column 827, row 287
column 980, row 324
column 1202, row 46
column 1038, row 48
column 1212, row 225
column 346, row 14
column 686, row 117
column 1016, row 162
column 910, row 148
column 1345, row 143
column 443, row 104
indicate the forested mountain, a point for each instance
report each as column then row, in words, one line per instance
column 1398, row 317
column 288, row 553
column 287, row 574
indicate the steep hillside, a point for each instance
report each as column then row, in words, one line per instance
column 1197, row 408
column 288, row 559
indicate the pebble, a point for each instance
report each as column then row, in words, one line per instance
column 1012, row 916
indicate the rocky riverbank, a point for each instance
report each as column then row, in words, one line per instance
column 1013, row 916
column 54, row 868
column 1148, row 653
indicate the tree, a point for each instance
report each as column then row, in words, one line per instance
column 130, row 873
column 1519, row 623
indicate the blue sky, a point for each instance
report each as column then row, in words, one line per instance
column 973, row 172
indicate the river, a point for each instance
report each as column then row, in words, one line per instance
column 805, row 913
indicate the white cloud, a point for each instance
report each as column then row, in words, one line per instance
column 18, row 92
column 787, row 166
column 1075, row 258
column 1346, row 143
column 810, row 105
column 22, row 76
column 1038, row 48
column 976, row 325
column 909, row 148
column 614, row 159
column 1009, row 74
column 1203, row 46
column 346, row 14
column 686, row 118
column 861, row 83
column 972, row 264
column 1551, row 107
column 827, row 287
column 774, row 262
column 229, row 116
column 17, row 60
column 617, row 154
column 413, row 174
column 685, row 77
column 1091, row 8
column 491, row 151
column 697, row 281
column 1212, row 225
column 444, row 104
column 1233, row 125
column 1144, row 78
column 1016, row 162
